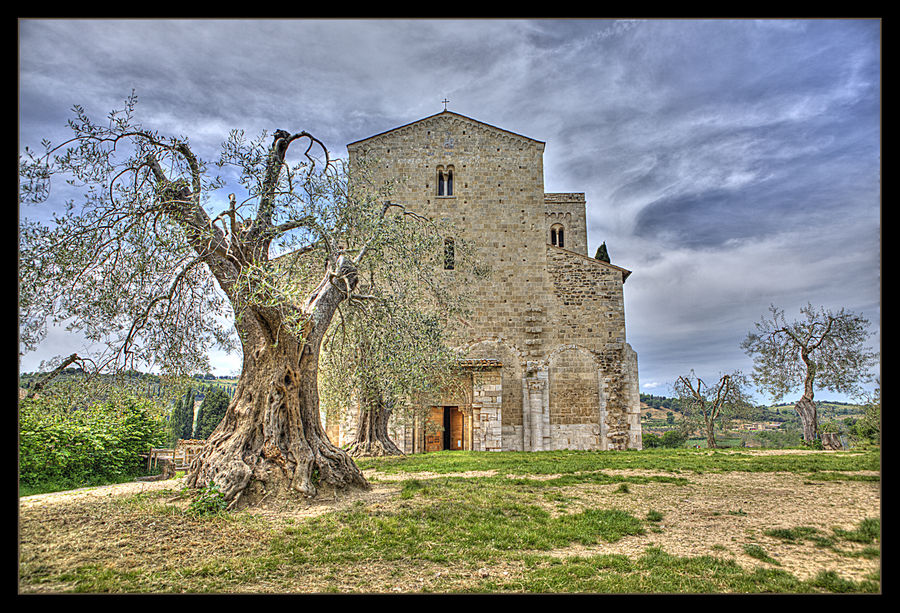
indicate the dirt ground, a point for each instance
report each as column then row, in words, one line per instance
column 714, row 514
column 718, row 514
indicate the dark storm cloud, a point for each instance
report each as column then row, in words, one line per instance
column 729, row 164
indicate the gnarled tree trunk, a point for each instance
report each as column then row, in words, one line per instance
column 806, row 408
column 271, row 439
column 372, row 438
column 711, row 436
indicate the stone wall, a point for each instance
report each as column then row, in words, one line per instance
column 567, row 210
column 497, row 205
column 585, row 301
column 486, row 416
column 553, row 316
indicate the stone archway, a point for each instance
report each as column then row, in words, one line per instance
column 576, row 399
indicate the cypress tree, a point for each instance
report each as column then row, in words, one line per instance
column 602, row 254
column 181, row 422
column 211, row 411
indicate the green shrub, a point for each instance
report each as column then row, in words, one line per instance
column 673, row 438
column 650, row 440
column 209, row 501
column 88, row 445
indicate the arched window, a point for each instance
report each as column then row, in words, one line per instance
column 445, row 181
column 449, row 254
column 557, row 235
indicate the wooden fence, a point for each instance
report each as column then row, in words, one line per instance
column 182, row 455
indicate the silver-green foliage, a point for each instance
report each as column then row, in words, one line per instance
column 823, row 349
column 117, row 265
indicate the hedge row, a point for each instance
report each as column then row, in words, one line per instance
column 85, row 446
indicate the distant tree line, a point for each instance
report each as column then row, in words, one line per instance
column 150, row 384
column 661, row 402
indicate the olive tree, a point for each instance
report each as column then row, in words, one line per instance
column 389, row 355
column 823, row 349
column 139, row 265
column 385, row 366
column 712, row 404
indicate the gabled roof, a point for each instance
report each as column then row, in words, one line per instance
column 593, row 262
column 446, row 114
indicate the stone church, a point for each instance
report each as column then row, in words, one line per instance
column 546, row 361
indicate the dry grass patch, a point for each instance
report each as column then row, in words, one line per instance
column 716, row 514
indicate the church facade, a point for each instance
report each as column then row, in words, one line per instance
column 546, row 359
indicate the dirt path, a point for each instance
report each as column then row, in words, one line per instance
column 100, row 491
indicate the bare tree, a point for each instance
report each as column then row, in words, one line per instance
column 141, row 267
column 825, row 349
column 712, row 404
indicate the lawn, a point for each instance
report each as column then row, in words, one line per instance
column 654, row 521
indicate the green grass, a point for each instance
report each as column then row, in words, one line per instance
column 574, row 463
column 654, row 516
column 836, row 476
column 865, row 533
column 659, row 572
column 501, row 531
column 756, row 551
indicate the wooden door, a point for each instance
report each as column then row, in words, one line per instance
column 445, row 429
column 456, row 429
column 434, row 430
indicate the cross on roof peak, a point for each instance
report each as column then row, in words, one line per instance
column 444, row 102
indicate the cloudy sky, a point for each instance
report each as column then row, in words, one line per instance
column 730, row 164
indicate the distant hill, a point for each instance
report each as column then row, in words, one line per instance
column 659, row 406
column 150, row 380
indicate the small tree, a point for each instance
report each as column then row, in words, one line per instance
column 381, row 364
column 714, row 404
column 824, row 349
column 869, row 425
column 602, row 254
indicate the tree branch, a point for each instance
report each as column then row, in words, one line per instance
column 277, row 151
column 40, row 383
